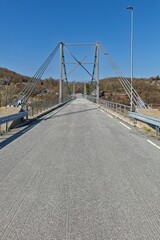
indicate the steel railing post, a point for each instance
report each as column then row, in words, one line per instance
column 157, row 131
column 124, row 110
column 6, row 126
column 116, row 107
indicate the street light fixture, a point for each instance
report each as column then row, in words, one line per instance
column 132, row 28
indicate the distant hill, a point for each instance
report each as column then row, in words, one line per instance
column 12, row 83
column 147, row 88
column 12, row 76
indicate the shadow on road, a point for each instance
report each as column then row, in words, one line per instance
column 13, row 137
column 65, row 114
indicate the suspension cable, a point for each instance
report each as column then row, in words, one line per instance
column 26, row 92
column 124, row 81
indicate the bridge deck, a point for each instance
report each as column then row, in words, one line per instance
column 79, row 174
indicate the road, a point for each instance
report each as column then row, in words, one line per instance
column 79, row 174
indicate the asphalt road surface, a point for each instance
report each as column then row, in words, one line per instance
column 79, row 174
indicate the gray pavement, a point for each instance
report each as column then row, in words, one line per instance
column 79, row 174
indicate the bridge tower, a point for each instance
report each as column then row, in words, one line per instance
column 25, row 94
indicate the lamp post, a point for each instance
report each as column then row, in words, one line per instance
column 132, row 35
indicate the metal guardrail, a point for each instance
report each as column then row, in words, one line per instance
column 125, row 111
column 12, row 117
column 144, row 118
column 41, row 109
column 116, row 107
column 147, row 119
column 46, row 111
column 38, row 107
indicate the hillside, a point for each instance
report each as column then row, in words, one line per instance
column 147, row 88
column 12, row 83
column 11, row 76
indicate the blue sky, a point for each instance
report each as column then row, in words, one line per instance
column 30, row 29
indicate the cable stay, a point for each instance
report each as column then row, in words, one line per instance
column 94, row 65
column 27, row 91
column 24, row 95
column 137, row 100
column 127, row 86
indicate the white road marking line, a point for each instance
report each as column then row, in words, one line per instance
column 153, row 144
column 124, row 125
column 109, row 115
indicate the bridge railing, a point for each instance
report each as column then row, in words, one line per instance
column 38, row 107
column 154, row 122
column 116, row 107
column 11, row 118
column 125, row 111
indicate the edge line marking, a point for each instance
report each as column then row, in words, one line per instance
column 125, row 125
column 153, row 144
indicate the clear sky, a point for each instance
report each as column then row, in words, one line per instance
column 30, row 29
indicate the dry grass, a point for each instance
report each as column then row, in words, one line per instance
column 149, row 112
column 5, row 111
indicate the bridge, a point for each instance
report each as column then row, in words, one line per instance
column 95, row 48
column 79, row 173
